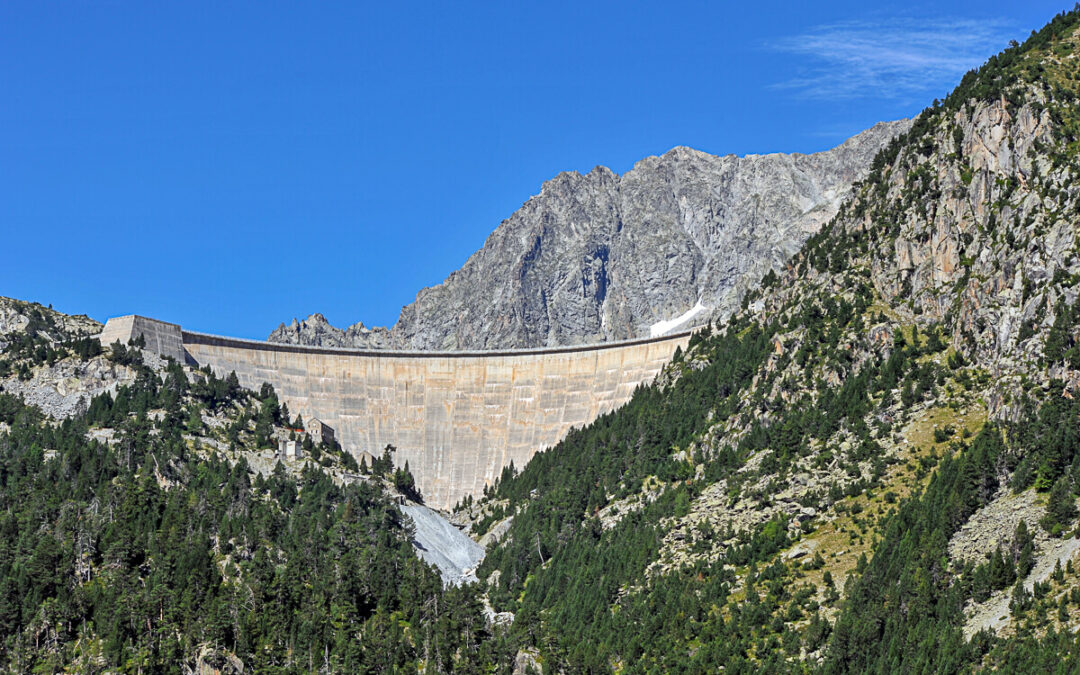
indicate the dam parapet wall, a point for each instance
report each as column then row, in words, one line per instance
column 458, row 418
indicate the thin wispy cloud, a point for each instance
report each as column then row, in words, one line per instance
column 893, row 58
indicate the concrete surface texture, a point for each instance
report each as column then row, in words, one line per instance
column 161, row 337
column 457, row 417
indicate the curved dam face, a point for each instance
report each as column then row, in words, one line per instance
column 457, row 417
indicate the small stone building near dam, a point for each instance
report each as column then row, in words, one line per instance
column 290, row 449
column 458, row 418
column 319, row 430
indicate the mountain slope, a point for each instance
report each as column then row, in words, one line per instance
column 872, row 466
column 152, row 528
column 605, row 257
column 868, row 417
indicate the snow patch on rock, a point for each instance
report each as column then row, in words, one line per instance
column 664, row 327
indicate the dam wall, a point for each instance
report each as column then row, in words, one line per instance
column 160, row 337
column 457, row 417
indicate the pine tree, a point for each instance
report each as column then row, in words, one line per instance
column 1060, row 506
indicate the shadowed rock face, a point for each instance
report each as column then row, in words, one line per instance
column 603, row 257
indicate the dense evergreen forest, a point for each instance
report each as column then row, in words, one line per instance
column 148, row 552
column 863, row 470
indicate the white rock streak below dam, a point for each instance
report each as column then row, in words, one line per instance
column 457, row 417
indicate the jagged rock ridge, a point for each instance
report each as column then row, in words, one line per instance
column 597, row 257
column 317, row 331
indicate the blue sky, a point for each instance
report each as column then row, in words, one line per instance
column 228, row 166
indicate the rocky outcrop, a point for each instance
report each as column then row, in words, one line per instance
column 214, row 661
column 66, row 388
column 20, row 316
column 995, row 525
column 597, row 257
column 995, row 613
column 976, row 231
column 318, row 332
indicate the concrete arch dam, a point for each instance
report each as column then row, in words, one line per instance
column 457, row 417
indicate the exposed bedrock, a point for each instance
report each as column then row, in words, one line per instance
column 604, row 257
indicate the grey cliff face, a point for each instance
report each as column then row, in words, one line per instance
column 597, row 257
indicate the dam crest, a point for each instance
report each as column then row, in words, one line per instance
column 458, row 417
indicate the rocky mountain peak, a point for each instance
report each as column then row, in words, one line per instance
column 317, row 331
column 596, row 257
